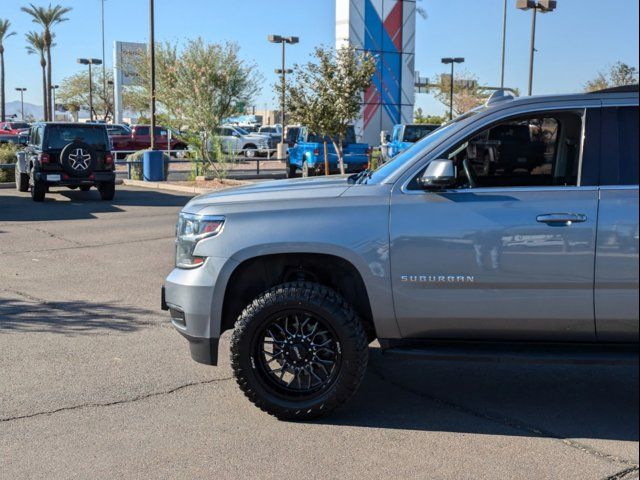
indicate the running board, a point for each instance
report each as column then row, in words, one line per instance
column 553, row 354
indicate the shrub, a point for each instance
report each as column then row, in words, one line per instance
column 7, row 155
column 136, row 169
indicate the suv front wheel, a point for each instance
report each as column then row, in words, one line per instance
column 299, row 351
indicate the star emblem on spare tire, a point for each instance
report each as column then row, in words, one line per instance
column 79, row 159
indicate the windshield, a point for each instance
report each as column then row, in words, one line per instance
column 241, row 131
column 408, row 155
column 58, row 136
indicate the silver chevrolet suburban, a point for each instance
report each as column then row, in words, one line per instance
column 509, row 234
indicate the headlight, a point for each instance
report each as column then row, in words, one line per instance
column 189, row 231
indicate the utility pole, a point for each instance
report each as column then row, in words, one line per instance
column 104, row 66
column 504, row 43
column 152, row 51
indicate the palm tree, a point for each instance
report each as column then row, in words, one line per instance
column 47, row 17
column 37, row 46
column 4, row 34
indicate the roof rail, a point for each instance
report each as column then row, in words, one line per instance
column 621, row 89
column 499, row 96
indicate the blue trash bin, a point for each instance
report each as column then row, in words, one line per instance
column 153, row 166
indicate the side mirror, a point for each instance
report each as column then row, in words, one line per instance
column 439, row 174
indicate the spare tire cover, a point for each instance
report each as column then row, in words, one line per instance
column 78, row 159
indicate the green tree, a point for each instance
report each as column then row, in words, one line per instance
column 197, row 87
column 37, row 46
column 74, row 94
column 47, row 17
column 420, row 117
column 327, row 93
column 4, row 34
column 467, row 93
column 618, row 75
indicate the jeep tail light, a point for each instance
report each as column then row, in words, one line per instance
column 190, row 230
column 316, row 152
column 108, row 159
column 44, row 158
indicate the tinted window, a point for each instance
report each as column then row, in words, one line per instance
column 619, row 156
column 58, row 136
column 413, row 133
column 142, row 130
column 19, row 125
column 539, row 150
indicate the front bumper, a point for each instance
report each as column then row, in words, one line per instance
column 188, row 295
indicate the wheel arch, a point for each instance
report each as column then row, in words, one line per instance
column 251, row 274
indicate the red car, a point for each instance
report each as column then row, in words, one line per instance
column 13, row 128
column 139, row 139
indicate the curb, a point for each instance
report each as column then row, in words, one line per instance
column 170, row 187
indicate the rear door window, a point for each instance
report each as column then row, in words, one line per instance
column 59, row 136
column 619, row 154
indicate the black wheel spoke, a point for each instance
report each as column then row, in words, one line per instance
column 297, row 353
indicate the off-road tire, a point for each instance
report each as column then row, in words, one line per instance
column 107, row 190
column 38, row 191
column 22, row 181
column 344, row 321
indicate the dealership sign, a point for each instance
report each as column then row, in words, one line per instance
column 128, row 56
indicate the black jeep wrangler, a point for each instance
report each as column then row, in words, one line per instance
column 73, row 155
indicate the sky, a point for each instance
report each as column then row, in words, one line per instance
column 574, row 42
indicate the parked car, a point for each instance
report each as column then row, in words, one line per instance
column 138, row 138
column 235, row 140
column 13, row 128
column 425, row 254
column 74, row 155
column 404, row 136
column 117, row 129
column 291, row 135
column 274, row 134
column 20, row 139
column 306, row 157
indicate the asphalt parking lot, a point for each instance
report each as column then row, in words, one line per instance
column 94, row 382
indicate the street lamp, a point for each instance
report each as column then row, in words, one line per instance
column 152, row 61
column 90, row 61
column 452, row 61
column 545, row 6
column 53, row 92
column 22, row 90
column 283, row 72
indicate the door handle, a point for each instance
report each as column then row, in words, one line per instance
column 561, row 219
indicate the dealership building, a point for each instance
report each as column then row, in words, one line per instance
column 386, row 29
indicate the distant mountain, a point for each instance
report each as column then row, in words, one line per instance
column 13, row 108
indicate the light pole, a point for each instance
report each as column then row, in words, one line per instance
column 90, row 61
column 452, row 61
column 152, row 51
column 22, row 90
column 53, row 92
column 104, row 72
column 283, row 72
column 504, row 42
column 545, row 6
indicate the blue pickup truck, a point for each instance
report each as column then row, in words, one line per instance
column 406, row 135
column 306, row 157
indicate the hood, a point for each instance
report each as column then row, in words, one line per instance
column 293, row 189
